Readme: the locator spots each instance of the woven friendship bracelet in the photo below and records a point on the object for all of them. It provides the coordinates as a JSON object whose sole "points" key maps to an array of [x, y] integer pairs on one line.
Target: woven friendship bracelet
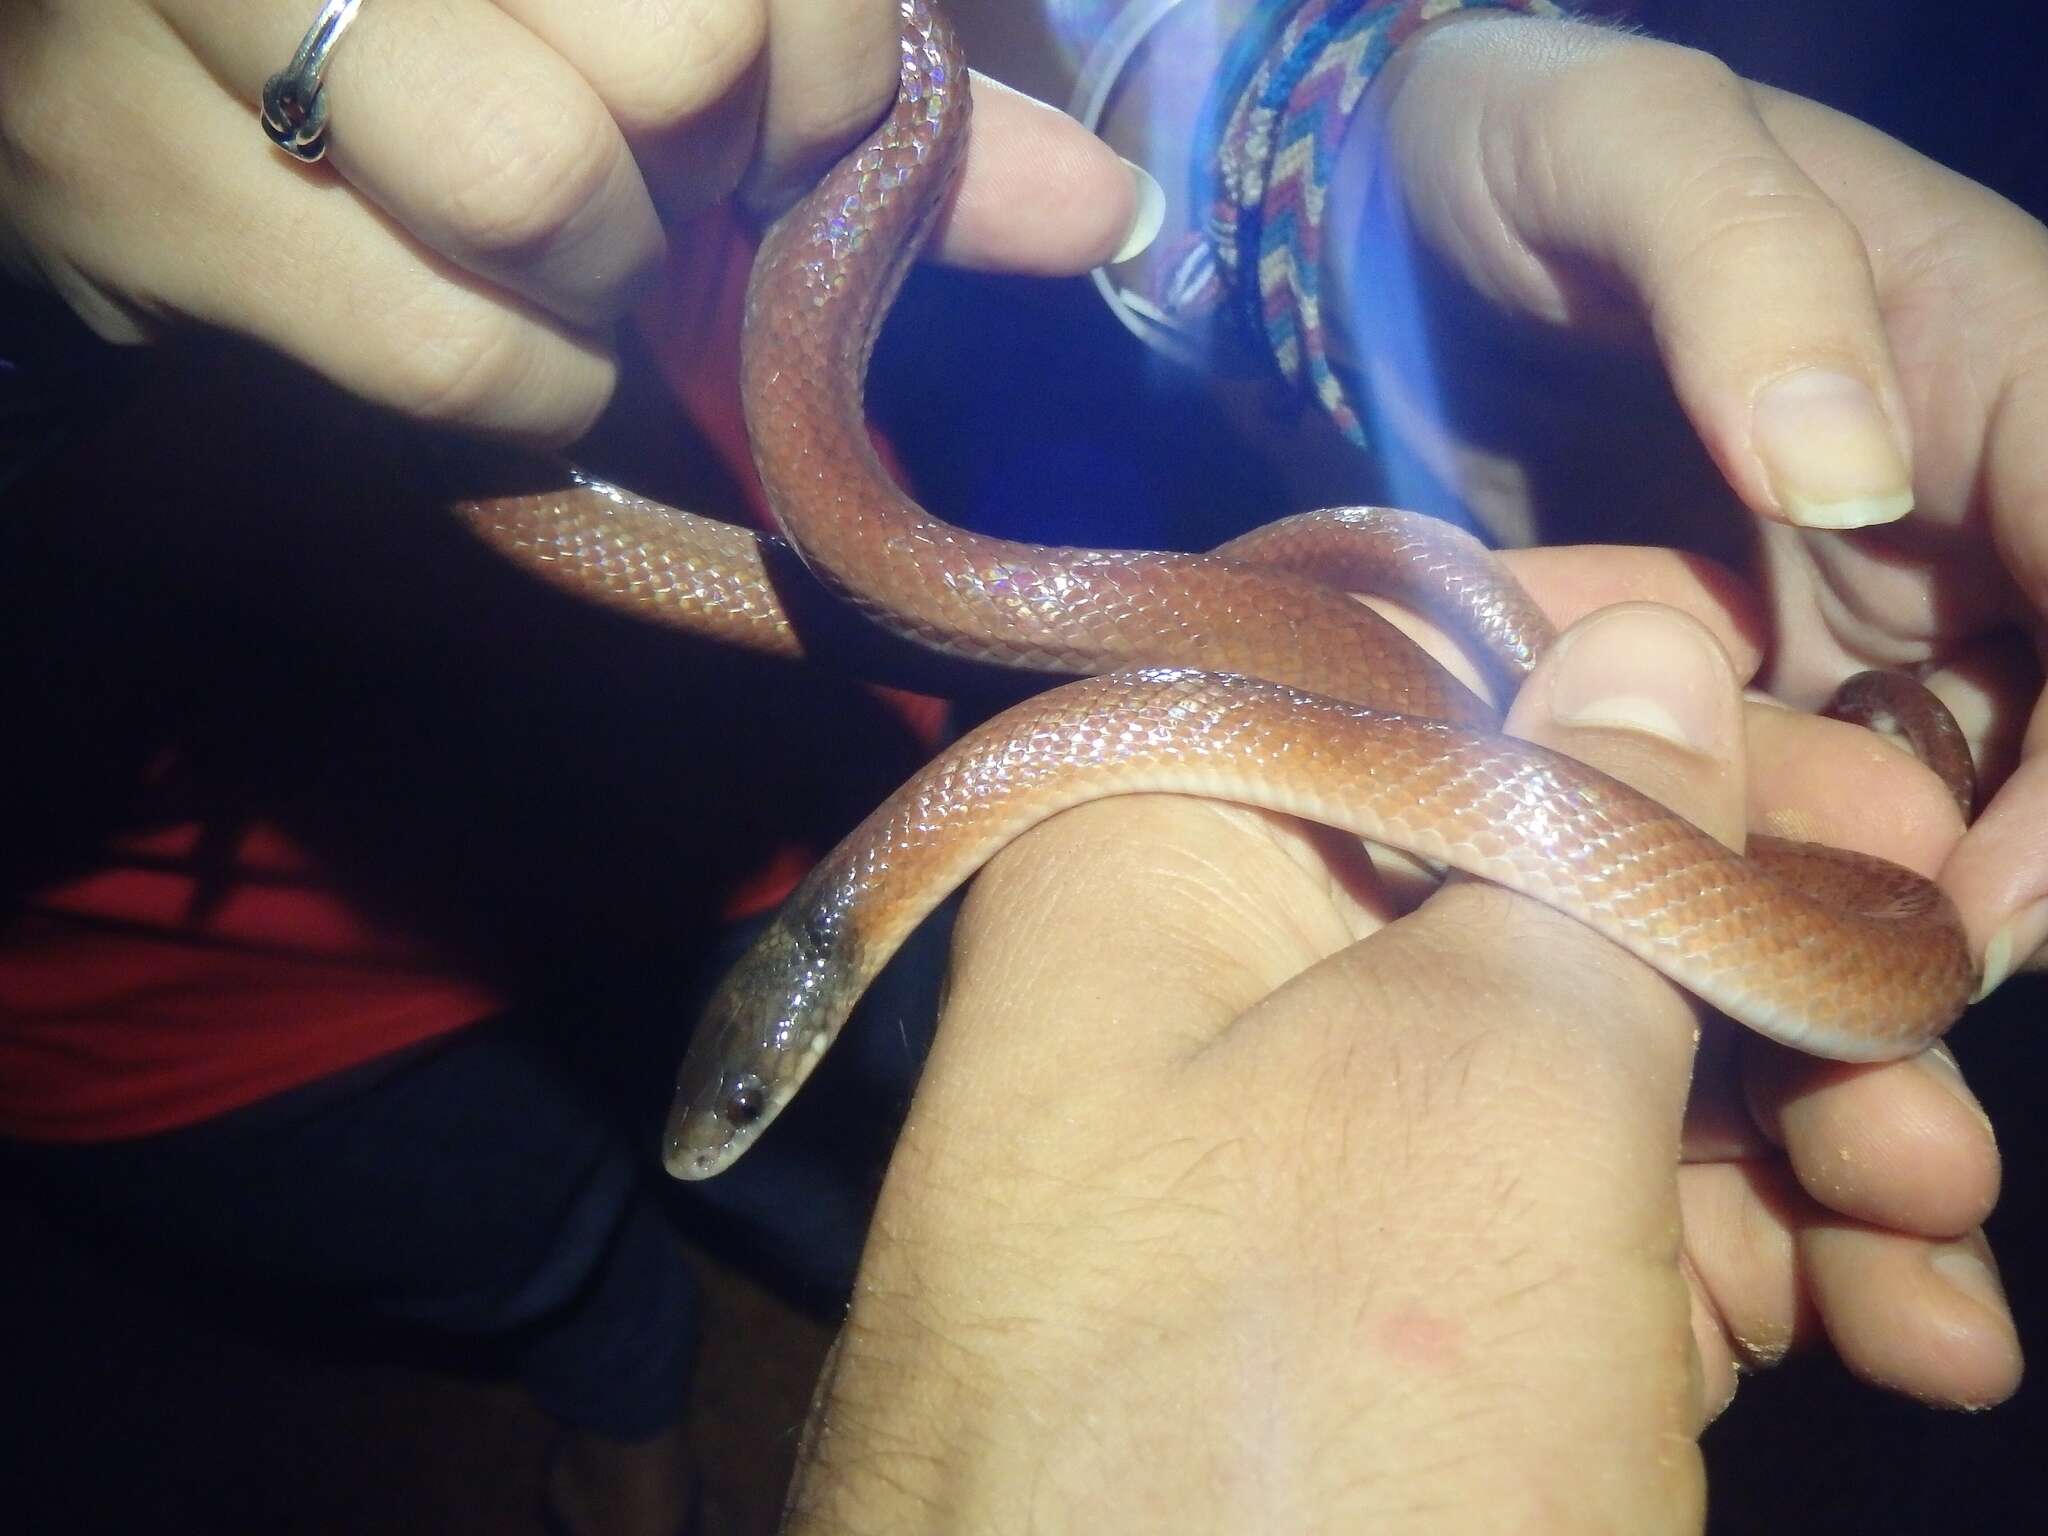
{"points": [[1285, 94]]}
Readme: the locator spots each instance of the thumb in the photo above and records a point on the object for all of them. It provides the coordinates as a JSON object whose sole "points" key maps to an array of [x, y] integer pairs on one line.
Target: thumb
{"points": [[1648, 696], [1645, 694], [1041, 195]]}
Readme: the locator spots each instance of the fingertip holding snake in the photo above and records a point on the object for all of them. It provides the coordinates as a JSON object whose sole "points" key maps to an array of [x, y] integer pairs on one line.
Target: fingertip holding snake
{"points": [[1247, 674]]}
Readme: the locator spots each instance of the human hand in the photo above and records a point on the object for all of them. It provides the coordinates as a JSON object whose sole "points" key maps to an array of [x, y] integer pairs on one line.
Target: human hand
{"points": [[498, 183], [1849, 329], [1209, 1215]]}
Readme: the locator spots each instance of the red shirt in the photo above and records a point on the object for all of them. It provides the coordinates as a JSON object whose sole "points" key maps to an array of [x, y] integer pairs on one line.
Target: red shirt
{"points": [[122, 1013], [173, 981]]}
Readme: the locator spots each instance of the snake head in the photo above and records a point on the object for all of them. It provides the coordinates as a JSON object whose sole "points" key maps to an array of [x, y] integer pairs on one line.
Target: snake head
{"points": [[766, 1028]]}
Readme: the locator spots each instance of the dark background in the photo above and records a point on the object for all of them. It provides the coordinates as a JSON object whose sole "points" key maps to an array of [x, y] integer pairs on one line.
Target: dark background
{"points": [[149, 574]]}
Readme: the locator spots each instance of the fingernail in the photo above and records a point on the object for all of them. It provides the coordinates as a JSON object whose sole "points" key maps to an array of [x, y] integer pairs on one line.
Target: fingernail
{"points": [[2015, 941], [1829, 452], [1644, 669], [1961, 1268], [1941, 1064], [1943, 1060], [1148, 217]]}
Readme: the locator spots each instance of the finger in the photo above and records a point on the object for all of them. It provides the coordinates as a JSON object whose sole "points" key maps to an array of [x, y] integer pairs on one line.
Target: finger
{"points": [[1924, 1318], [475, 136], [1757, 290], [1904, 1145], [1646, 168], [1999, 873], [1928, 1320], [1041, 195], [2016, 470], [1825, 781], [1821, 781], [1740, 1243], [1720, 1360], [1038, 193], [682, 79], [200, 217], [1570, 582], [832, 68]]}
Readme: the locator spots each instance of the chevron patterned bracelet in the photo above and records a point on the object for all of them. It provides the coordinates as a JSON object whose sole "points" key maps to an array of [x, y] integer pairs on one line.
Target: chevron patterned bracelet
{"points": [[1286, 91]]}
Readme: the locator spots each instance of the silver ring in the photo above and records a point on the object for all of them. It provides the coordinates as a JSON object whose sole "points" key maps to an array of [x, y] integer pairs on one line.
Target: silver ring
{"points": [[294, 104]]}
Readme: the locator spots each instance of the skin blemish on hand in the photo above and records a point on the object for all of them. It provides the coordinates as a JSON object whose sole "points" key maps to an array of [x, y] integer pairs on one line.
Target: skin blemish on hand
{"points": [[1415, 1335]]}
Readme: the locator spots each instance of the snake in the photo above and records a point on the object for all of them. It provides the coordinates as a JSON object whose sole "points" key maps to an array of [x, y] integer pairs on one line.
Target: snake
{"points": [[1249, 673]]}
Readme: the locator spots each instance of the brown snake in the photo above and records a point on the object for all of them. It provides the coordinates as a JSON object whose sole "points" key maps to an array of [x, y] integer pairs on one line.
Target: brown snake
{"points": [[1245, 675]]}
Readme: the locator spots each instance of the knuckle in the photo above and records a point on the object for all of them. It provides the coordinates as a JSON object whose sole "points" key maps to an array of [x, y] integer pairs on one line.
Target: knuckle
{"points": [[50, 128], [684, 56], [541, 169], [1735, 196], [1748, 208], [1992, 259], [66, 210], [1695, 74], [829, 121], [460, 368], [838, 104], [1658, 87], [1672, 80]]}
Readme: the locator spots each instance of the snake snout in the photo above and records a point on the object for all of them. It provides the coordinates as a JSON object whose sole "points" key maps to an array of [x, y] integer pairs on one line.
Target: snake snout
{"points": [[712, 1122], [764, 1030]]}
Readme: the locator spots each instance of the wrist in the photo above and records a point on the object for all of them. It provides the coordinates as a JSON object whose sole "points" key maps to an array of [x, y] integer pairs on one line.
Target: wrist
{"points": [[1124, 1372]]}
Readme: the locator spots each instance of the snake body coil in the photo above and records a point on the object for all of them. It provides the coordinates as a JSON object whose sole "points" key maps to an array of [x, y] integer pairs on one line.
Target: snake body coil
{"points": [[1247, 675]]}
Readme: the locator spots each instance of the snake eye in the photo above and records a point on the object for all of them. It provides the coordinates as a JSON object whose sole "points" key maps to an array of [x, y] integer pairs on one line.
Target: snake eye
{"points": [[746, 1099]]}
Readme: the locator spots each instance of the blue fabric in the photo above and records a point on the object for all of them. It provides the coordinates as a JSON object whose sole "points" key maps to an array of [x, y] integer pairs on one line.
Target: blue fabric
{"points": [[466, 1192]]}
